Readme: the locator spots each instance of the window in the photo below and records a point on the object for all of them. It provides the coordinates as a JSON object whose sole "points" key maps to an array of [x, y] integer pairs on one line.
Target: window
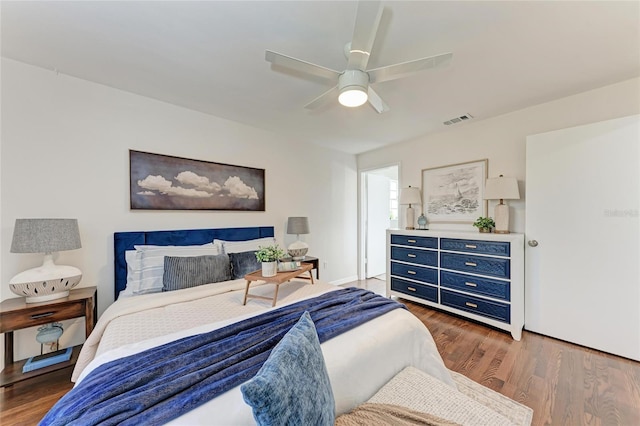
{"points": [[393, 198]]}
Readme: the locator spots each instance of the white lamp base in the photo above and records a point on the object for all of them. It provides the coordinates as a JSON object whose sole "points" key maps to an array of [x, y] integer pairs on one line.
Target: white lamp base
{"points": [[46, 282], [411, 218], [297, 250], [501, 218]]}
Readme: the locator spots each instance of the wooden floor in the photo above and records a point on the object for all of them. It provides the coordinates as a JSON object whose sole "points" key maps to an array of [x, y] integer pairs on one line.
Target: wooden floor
{"points": [[565, 384]]}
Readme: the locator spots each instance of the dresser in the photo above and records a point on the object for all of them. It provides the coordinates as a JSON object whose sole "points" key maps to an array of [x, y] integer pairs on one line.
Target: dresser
{"points": [[475, 275]]}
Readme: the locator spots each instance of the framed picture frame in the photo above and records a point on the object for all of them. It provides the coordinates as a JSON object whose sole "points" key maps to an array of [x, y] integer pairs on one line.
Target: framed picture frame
{"points": [[454, 193], [164, 182]]}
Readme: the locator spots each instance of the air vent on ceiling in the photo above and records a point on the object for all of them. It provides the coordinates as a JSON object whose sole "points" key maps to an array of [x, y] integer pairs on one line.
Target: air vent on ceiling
{"points": [[458, 119]]}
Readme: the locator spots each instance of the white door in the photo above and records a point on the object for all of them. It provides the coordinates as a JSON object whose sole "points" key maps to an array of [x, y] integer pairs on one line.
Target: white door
{"points": [[583, 277], [378, 221]]}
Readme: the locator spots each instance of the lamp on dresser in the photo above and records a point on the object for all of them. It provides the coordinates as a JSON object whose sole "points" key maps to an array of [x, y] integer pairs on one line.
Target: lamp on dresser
{"points": [[501, 188], [410, 195], [49, 281], [298, 225]]}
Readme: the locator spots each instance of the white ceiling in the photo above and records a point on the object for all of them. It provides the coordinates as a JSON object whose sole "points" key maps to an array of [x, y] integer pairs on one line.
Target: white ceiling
{"points": [[209, 56]]}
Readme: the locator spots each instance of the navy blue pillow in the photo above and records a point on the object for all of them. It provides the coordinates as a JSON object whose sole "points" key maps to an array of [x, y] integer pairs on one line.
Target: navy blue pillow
{"points": [[292, 387], [243, 263]]}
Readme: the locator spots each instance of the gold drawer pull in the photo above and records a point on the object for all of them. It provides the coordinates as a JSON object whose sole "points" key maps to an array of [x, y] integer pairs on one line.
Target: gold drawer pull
{"points": [[411, 289], [470, 264], [411, 241], [411, 255], [471, 284], [470, 246], [411, 272], [471, 305]]}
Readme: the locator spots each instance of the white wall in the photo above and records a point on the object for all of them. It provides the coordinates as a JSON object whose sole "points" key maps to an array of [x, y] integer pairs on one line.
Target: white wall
{"points": [[502, 140], [64, 153]]}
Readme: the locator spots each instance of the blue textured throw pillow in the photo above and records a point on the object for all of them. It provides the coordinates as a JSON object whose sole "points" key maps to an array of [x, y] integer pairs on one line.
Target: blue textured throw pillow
{"points": [[187, 272], [292, 387], [243, 263]]}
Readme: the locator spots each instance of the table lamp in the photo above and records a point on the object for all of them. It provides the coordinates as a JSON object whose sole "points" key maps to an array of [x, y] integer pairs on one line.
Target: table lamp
{"points": [[298, 225], [49, 281], [410, 195], [501, 188]]}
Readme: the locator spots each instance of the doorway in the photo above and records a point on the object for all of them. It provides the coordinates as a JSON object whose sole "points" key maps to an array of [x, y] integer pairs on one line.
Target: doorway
{"points": [[379, 212]]}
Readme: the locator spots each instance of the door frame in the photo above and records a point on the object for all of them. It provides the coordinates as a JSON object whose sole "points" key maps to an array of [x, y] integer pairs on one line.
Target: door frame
{"points": [[362, 203]]}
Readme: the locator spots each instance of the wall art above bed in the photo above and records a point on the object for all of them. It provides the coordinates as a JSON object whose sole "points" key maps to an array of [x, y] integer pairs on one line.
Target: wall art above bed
{"points": [[163, 182]]}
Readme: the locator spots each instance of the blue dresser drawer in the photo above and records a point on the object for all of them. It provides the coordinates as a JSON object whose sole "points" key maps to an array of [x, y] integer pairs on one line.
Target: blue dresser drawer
{"points": [[481, 286], [413, 272], [407, 240], [496, 248], [423, 257], [493, 266], [422, 291], [494, 310]]}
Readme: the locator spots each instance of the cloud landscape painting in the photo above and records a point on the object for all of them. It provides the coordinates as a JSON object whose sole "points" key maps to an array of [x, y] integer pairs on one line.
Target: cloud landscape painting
{"points": [[162, 182]]}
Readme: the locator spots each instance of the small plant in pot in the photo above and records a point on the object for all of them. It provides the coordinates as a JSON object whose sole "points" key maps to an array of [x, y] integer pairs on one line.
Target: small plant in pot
{"points": [[269, 257], [484, 224]]}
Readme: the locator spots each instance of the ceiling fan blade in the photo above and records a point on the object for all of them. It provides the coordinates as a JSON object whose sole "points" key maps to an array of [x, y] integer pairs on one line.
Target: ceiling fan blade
{"points": [[288, 62], [327, 96], [364, 34], [403, 69], [376, 101]]}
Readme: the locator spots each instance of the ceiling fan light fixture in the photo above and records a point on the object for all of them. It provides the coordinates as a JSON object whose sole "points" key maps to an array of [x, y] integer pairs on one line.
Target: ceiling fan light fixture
{"points": [[353, 97], [353, 85]]}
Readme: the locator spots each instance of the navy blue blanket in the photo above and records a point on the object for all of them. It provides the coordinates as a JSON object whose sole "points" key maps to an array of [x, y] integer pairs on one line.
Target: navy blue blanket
{"points": [[162, 383]]}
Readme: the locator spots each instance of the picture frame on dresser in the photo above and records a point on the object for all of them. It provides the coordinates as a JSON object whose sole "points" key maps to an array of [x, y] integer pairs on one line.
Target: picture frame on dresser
{"points": [[455, 193]]}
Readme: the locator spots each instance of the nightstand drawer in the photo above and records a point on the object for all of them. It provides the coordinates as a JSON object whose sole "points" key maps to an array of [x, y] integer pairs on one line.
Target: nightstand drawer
{"points": [[413, 272], [489, 309], [472, 284], [493, 266], [496, 248], [423, 257], [406, 240], [422, 291], [41, 315]]}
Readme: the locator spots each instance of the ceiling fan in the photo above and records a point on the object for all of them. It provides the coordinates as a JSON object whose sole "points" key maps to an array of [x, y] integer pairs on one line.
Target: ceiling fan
{"points": [[353, 85]]}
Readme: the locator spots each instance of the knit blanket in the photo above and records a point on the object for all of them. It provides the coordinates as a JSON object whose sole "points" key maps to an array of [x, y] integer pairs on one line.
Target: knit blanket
{"points": [[389, 414], [162, 383]]}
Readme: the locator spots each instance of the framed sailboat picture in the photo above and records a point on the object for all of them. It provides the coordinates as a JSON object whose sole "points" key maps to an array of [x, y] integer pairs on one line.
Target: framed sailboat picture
{"points": [[454, 193]]}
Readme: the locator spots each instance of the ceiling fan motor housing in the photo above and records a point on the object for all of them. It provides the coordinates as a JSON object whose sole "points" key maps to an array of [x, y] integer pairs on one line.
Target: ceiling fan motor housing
{"points": [[353, 80]]}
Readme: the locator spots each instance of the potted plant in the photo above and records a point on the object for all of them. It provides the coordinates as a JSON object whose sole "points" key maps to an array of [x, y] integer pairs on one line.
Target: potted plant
{"points": [[484, 224], [269, 256]]}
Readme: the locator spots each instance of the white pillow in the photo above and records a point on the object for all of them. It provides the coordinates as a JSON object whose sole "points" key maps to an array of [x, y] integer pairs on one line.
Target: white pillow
{"points": [[145, 267], [240, 246]]}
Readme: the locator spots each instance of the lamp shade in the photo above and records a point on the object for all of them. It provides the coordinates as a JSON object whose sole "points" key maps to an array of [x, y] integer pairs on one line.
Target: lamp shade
{"points": [[410, 195], [501, 188], [45, 235], [298, 225]]}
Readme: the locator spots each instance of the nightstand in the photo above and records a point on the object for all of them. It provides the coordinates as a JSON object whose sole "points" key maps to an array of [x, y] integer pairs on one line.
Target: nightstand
{"points": [[16, 314]]}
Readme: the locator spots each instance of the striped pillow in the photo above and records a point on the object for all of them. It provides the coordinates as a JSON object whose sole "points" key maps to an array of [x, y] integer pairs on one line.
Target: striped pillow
{"points": [[187, 272], [149, 264]]}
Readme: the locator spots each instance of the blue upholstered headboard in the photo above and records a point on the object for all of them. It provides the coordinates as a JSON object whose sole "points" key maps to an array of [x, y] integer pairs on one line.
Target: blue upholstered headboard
{"points": [[123, 241]]}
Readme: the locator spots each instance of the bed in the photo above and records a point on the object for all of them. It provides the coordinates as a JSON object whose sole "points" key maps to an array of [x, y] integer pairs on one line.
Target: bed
{"points": [[359, 361]]}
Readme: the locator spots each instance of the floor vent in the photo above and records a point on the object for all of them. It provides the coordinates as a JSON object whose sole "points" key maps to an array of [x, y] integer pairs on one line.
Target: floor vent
{"points": [[458, 119]]}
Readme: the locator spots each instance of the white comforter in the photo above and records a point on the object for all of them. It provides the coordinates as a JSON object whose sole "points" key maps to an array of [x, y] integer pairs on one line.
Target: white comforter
{"points": [[359, 361]]}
